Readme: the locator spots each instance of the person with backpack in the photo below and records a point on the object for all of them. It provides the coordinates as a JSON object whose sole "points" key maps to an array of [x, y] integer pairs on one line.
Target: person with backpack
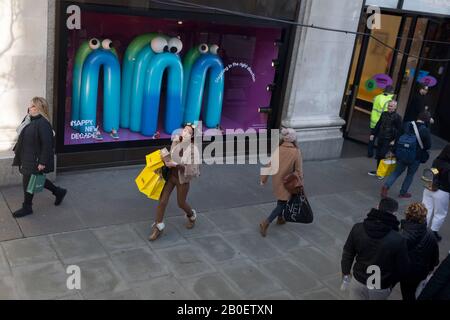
{"points": [[411, 150], [380, 104], [436, 200], [386, 131], [375, 243], [423, 249]]}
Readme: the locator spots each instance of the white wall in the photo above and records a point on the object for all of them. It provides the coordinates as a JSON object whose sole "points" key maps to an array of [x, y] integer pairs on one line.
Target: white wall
{"points": [[431, 6], [23, 57]]}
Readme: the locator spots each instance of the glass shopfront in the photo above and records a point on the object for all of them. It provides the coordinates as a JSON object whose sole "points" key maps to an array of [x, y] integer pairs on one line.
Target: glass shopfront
{"points": [[376, 66], [130, 77]]}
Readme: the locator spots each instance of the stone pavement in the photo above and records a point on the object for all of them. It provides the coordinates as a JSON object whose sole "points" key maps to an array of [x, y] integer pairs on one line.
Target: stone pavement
{"points": [[103, 225]]}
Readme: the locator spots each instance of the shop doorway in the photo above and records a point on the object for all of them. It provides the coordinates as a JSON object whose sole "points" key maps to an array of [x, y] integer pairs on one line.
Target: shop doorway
{"points": [[376, 66]]}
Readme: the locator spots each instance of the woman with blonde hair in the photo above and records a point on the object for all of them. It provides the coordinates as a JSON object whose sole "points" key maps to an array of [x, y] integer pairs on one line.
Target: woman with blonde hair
{"points": [[34, 152], [290, 161]]}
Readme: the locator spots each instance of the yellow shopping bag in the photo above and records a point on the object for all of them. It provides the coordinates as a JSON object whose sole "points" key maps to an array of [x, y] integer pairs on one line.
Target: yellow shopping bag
{"points": [[386, 167], [155, 160], [150, 183]]}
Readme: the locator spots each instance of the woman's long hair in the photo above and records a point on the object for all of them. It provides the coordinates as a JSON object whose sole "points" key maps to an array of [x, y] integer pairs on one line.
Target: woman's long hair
{"points": [[42, 105]]}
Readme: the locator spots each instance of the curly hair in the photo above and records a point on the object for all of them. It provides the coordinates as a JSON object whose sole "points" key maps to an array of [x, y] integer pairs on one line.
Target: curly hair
{"points": [[416, 212]]}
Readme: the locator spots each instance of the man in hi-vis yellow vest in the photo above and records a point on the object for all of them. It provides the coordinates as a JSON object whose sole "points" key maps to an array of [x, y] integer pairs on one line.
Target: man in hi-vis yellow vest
{"points": [[380, 104]]}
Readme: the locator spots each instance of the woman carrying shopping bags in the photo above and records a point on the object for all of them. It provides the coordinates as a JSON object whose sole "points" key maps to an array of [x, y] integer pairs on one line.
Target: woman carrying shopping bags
{"points": [[290, 161], [437, 201], [34, 153], [182, 169]]}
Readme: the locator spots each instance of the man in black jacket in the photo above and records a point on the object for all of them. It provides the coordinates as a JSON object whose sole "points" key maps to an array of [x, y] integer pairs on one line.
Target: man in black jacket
{"points": [[387, 132], [375, 244]]}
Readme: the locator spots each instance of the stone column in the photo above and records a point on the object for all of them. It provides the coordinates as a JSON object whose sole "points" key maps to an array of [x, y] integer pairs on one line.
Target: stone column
{"points": [[23, 70], [319, 69]]}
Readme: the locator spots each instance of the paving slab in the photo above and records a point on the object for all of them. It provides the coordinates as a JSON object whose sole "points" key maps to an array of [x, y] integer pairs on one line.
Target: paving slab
{"points": [[185, 262], [250, 280], [295, 279], [4, 265], [47, 218], [284, 239], [29, 251], [211, 287], [216, 248], [169, 238], [163, 288], [230, 220], [138, 264], [315, 261], [118, 238], [99, 276], [253, 246], [9, 229], [123, 295], [281, 295], [323, 294], [41, 281], [203, 226], [7, 288], [77, 246]]}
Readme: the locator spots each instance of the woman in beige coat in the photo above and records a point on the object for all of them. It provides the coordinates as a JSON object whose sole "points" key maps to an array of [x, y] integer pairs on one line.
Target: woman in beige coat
{"points": [[290, 160], [182, 169]]}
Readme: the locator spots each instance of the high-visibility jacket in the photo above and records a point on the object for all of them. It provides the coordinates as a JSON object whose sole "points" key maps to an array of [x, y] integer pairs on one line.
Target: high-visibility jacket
{"points": [[380, 104]]}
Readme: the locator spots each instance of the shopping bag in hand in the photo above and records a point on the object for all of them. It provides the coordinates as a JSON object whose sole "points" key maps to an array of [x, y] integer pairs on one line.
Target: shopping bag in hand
{"points": [[150, 183], [298, 209], [36, 183], [386, 167], [155, 160]]}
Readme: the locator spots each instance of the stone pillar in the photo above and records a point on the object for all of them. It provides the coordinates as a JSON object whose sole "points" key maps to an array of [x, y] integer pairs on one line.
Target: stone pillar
{"points": [[319, 69], [23, 70]]}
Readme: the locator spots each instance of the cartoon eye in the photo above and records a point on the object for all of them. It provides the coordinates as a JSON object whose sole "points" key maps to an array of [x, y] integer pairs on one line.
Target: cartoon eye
{"points": [[175, 45], [214, 49], [203, 48], [107, 44], [159, 45], [94, 44]]}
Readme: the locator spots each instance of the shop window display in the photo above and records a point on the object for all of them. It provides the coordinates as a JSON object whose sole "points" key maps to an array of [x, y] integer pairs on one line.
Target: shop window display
{"points": [[137, 78]]}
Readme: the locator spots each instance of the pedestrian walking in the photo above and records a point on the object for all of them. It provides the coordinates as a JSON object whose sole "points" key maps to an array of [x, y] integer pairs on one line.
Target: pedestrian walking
{"points": [[423, 249], [180, 174], [411, 150], [290, 161], [438, 287], [436, 201], [386, 132], [380, 104], [34, 153], [419, 103], [375, 244]]}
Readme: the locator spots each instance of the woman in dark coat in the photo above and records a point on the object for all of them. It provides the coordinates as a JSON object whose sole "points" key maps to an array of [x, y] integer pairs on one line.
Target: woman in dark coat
{"points": [[438, 287], [34, 152], [423, 249]]}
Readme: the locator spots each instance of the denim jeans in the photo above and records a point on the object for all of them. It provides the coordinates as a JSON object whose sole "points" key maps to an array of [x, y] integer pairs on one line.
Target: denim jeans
{"points": [[412, 169], [278, 211]]}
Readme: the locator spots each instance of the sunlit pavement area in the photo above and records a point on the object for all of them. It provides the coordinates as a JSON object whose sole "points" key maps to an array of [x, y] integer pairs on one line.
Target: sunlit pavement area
{"points": [[103, 224]]}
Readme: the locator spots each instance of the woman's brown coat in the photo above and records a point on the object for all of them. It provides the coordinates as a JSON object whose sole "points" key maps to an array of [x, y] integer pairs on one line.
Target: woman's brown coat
{"points": [[290, 160]]}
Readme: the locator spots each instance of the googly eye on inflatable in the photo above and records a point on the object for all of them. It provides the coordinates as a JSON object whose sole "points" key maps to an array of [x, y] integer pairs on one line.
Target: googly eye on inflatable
{"points": [[175, 45], [203, 48], [94, 43], [214, 49], [159, 45], [107, 44]]}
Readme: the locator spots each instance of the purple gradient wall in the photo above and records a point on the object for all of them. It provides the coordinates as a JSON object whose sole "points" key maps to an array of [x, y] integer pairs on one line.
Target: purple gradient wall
{"points": [[239, 44]]}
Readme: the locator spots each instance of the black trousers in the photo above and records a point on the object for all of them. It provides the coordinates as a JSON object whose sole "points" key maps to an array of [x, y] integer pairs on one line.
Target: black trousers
{"points": [[28, 197], [408, 288]]}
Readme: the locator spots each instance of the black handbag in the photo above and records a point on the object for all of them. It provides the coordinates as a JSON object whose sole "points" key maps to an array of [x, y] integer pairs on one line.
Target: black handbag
{"points": [[298, 209], [165, 172]]}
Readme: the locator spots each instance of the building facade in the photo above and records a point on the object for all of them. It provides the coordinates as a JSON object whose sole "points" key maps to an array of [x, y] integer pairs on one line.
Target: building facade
{"points": [[269, 71]]}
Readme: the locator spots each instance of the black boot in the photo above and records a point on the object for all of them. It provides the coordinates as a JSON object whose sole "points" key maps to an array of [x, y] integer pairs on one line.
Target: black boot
{"points": [[26, 210], [60, 193]]}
